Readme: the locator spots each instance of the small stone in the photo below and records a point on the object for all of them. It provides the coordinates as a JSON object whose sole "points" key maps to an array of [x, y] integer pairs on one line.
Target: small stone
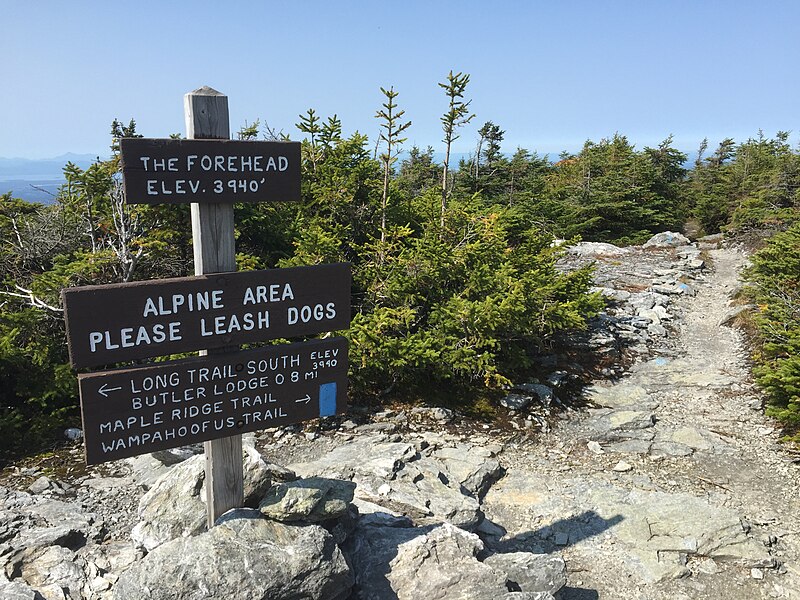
{"points": [[73, 434], [384, 489], [756, 573], [595, 447], [516, 401], [442, 414], [311, 436], [561, 539], [622, 467], [100, 584], [40, 485]]}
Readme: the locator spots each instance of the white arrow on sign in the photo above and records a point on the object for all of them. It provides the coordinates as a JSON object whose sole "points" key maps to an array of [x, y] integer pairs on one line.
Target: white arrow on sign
{"points": [[307, 399], [104, 389]]}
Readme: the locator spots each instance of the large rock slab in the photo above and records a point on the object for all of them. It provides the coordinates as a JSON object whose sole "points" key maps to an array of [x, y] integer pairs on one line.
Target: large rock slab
{"points": [[40, 540], [311, 500], [624, 423], [475, 468], [54, 569], [443, 483], [176, 505], [433, 562], [621, 395], [667, 239], [596, 249], [529, 572], [244, 556], [650, 533], [16, 590]]}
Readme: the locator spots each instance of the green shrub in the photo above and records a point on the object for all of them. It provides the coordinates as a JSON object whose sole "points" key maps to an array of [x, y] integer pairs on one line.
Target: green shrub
{"points": [[775, 285]]}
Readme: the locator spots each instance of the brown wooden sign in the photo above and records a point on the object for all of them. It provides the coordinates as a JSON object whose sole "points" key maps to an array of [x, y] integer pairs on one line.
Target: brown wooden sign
{"points": [[157, 171], [135, 411], [128, 321]]}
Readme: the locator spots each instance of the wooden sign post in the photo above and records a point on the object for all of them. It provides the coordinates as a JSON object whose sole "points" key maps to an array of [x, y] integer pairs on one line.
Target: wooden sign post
{"points": [[206, 115], [215, 397]]}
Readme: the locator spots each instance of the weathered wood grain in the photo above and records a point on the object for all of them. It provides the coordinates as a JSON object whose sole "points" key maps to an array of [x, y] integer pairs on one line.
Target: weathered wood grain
{"points": [[206, 114]]}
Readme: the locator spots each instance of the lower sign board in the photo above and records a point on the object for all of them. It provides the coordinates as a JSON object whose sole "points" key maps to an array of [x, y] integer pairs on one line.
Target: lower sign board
{"points": [[127, 412]]}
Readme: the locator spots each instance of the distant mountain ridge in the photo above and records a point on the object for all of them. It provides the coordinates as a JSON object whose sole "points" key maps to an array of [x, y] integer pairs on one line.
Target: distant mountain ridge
{"points": [[45, 169]]}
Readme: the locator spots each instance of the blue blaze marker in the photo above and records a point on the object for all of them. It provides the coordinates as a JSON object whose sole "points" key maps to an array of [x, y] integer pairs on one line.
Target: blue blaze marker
{"points": [[327, 399]]}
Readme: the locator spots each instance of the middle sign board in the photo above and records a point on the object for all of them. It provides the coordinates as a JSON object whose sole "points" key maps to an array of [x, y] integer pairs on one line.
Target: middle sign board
{"points": [[129, 321]]}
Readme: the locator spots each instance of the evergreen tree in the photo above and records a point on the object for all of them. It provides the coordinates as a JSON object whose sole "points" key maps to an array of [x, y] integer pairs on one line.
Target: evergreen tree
{"points": [[392, 129], [457, 115]]}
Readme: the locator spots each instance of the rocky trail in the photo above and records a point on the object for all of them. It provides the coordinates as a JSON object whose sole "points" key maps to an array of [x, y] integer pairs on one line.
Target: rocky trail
{"points": [[677, 486], [669, 483]]}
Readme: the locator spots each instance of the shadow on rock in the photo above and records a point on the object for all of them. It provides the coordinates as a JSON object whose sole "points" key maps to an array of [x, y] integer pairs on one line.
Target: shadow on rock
{"points": [[573, 593], [562, 533]]}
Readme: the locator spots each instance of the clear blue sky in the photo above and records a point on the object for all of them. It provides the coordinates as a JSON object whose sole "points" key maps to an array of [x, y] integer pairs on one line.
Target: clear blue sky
{"points": [[551, 74]]}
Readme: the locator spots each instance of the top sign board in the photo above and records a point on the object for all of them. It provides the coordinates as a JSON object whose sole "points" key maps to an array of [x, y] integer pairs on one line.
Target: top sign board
{"points": [[127, 321], [159, 171]]}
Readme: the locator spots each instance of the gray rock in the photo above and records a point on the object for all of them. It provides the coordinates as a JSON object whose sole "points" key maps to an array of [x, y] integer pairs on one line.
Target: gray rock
{"points": [[514, 401], [631, 446], [149, 468], [711, 241], [393, 475], [73, 434], [621, 424], [669, 448], [667, 239], [370, 551], [652, 532], [730, 317], [621, 395], [377, 427], [596, 249], [244, 556], [696, 263], [529, 572], [111, 557], [105, 484], [374, 515], [541, 393], [54, 567], [442, 414], [668, 289], [427, 494], [432, 562], [650, 314], [175, 505], [612, 294], [473, 467], [16, 590], [311, 500], [368, 457], [41, 485]]}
